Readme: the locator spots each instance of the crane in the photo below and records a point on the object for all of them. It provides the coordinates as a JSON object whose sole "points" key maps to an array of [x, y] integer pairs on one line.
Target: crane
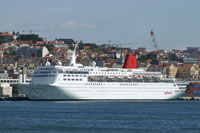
{"points": [[120, 44], [154, 40]]}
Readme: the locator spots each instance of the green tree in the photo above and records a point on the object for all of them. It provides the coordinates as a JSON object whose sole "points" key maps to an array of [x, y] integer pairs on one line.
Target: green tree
{"points": [[143, 58], [29, 37], [2, 39], [154, 62], [92, 46], [5, 53], [151, 56], [13, 53], [174, 57]]}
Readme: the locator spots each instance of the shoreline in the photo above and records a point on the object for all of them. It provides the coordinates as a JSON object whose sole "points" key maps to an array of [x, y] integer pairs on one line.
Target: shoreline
{"points": [[185, 98]]}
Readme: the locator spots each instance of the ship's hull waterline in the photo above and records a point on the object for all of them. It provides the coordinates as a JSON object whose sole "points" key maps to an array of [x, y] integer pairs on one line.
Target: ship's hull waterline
{"points": [[109, 92]]}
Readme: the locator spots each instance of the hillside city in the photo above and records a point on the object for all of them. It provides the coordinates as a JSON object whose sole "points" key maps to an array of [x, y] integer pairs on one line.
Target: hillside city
{"points": [[22, 53], [99, 66]]}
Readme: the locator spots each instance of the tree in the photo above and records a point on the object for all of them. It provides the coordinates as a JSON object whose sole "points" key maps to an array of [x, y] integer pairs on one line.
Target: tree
{"points": [[98, 49], [151, 56], [154, 62], [29, 37], [92, 46], [173, 57], [143, 58], [13, 53], [80, 45], [2, 39]]}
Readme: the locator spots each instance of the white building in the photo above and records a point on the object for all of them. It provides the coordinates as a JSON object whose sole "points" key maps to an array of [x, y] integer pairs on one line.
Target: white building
{"points": [[6, 89], [32, 52]]}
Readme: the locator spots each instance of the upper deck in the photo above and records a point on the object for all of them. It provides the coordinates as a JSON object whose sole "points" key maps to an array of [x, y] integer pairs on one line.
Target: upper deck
{"points": [[93, 71]]}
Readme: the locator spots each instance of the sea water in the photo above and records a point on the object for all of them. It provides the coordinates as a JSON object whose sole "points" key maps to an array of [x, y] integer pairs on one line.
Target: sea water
{"points": [[116, 117]]}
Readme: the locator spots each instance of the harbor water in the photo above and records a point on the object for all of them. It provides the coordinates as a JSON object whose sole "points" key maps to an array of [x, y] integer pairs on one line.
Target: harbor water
{"points": [[116, 117]]}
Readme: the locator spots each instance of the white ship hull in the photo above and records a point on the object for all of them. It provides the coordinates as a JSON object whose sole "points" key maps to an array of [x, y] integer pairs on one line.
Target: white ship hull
{"points": [[108, 91]]}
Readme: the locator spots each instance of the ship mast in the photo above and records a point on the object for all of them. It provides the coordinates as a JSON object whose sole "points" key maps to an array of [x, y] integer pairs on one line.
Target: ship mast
{"points": [[73, 58]]}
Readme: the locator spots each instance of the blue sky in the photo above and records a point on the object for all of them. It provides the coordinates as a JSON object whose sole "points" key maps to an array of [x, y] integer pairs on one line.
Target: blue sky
{"points": [[176, 23]]}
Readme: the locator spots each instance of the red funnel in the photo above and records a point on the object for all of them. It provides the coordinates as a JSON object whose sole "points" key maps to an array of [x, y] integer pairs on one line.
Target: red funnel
{"points": [[130, 62]]}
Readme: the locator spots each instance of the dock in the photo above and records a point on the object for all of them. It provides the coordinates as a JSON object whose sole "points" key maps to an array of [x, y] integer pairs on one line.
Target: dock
{"points": [[189, 98], [14, 99]]}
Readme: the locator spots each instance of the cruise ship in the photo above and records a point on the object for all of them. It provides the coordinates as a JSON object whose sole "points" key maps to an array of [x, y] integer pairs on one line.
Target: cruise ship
{"points": [[78, 82]]}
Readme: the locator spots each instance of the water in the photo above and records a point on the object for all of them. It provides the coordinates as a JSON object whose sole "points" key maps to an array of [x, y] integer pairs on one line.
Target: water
{"points": [[124, 117]]}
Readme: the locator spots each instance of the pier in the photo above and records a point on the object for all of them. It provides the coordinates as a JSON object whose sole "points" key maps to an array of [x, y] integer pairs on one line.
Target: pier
{"points": [[9, 92], [189, 98]]}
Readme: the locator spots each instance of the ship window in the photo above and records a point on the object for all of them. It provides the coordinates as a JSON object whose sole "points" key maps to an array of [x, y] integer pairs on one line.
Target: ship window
{"points": [[72, 79], [64, 75], [64, 79], [68, 75], [68, 79], [60, 71], [76, 79]]}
